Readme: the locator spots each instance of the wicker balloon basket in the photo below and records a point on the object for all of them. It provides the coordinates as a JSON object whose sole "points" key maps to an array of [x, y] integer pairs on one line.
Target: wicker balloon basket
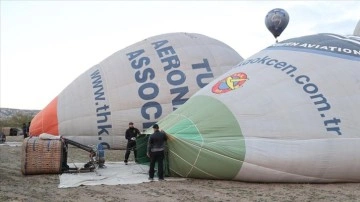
{"points": [[41, 156]]}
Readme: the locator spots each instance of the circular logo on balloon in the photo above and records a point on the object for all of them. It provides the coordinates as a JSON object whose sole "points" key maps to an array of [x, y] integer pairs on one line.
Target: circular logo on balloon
{"points": [[230, 83]]}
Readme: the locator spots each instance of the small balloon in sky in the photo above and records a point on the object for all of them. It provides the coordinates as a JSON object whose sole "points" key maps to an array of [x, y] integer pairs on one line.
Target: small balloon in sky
{"points": [[276, 21]]}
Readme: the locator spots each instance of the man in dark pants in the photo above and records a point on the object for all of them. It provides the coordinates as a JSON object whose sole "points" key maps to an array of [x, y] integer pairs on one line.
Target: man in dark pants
{"points": [[24, 129], [156, 153], [28, 129], [131, 134]]}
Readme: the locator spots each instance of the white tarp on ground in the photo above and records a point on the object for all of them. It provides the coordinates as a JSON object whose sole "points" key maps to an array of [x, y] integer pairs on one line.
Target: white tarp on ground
{"points": [[115, 173], [11, 144]]}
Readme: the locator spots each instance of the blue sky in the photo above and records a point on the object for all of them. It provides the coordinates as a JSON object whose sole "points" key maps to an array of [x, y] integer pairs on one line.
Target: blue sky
{"points": [[45, 45]]}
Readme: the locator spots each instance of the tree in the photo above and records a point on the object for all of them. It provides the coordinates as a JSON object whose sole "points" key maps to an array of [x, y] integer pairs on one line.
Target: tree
{"points": [[16, 120]]}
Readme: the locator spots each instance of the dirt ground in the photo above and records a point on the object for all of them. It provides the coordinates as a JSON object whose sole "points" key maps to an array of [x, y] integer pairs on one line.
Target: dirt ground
{"points": [[16, 187]]}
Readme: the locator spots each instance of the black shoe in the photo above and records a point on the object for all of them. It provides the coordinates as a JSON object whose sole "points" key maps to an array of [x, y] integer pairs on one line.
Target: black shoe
{"points": [[161, 179], [125, 162], [151, 179]]}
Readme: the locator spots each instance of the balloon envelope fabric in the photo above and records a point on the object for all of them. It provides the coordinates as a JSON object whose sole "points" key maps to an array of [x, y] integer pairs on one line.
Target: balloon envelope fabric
{"points": [[289, 113], [141, 83]]}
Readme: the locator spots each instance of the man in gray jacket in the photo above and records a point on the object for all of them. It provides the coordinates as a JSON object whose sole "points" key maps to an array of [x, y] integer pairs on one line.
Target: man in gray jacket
{"points": [[155, 151]]}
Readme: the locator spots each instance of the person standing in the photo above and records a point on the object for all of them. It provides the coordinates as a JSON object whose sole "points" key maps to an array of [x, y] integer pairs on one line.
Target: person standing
{"points": [[24, 129], [28, 129], [156, 152], [131, 134]]}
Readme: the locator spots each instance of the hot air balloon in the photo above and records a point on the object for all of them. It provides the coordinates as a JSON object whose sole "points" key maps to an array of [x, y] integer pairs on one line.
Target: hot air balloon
{"points": [[141, 83], [357, 29], [289, 113], [276, 21]]}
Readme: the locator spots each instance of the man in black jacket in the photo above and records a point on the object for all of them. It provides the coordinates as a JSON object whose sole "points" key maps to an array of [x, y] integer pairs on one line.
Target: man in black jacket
{"points": [[156, 153], [131, 134]]}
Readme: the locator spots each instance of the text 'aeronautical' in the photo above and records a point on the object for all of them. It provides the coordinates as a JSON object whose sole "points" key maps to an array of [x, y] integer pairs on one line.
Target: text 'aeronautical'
{"points": [[145, 75]]}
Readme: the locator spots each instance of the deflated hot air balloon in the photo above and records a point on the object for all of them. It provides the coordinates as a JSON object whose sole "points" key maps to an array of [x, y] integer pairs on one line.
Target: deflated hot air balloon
{"points": [[141, 83], [357, 29], [289, 113], [276, 21]]}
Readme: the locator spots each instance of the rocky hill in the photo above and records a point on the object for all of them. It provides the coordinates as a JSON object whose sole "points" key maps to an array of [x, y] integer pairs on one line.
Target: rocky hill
{"points": [[9, 112]]}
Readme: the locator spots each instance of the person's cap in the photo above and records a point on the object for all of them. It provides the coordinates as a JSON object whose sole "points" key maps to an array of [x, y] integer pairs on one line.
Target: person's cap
{"points": [[156, 126], [131, 123]]}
